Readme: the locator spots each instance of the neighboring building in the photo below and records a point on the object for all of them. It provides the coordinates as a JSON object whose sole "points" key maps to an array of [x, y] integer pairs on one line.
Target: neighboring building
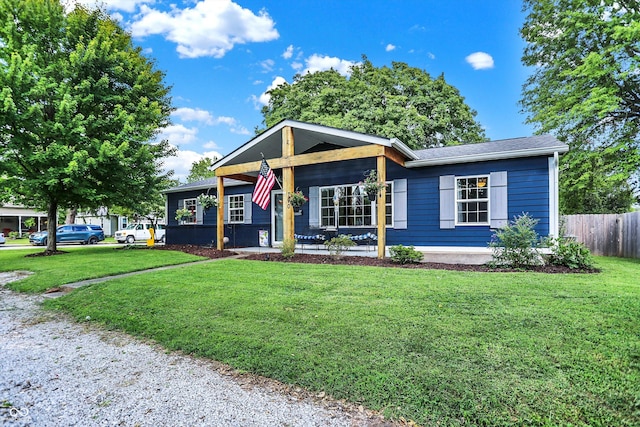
{"points": [[12, 218], [448, 196]]}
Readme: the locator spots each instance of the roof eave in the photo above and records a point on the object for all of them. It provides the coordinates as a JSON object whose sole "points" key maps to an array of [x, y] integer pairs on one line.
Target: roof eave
{"points": [[530, 152]]}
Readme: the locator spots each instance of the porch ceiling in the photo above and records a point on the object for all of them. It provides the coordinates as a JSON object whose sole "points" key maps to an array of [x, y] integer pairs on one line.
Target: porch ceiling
{"points": [[308, 138]]}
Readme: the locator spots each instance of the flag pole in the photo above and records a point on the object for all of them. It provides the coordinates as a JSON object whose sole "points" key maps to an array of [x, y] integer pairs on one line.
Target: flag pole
{"points": [[274, 175]]}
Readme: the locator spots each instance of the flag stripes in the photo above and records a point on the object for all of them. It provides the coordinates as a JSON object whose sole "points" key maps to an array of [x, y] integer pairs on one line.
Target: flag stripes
{"points": [[262, 191]]}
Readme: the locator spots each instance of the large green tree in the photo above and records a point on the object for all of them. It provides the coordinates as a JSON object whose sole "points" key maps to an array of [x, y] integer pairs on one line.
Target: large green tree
{"points": [[201, 169], [79, 105], [585, 88], [398, 101]]}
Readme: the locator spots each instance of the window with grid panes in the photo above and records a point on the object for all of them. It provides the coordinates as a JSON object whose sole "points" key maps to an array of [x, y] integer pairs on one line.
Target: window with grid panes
{"points": [[236, 209], [354, 208], [472, 200], [190, 205]]}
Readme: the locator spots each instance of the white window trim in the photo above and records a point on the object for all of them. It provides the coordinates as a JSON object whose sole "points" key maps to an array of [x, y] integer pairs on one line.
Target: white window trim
{"points": [[456, 201], [374, 217], [241, 208], [195, 214]]}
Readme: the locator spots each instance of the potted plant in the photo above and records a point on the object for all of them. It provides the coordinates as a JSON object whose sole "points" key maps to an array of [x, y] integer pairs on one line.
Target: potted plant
{"points": [[183, 214], [372, 186], [297, 199], [207, 201]]}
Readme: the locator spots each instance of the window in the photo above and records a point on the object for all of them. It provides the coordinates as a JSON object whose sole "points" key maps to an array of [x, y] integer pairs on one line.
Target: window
{"points": [[354, 208], [236, 209], [190, 205], [472, 200]]}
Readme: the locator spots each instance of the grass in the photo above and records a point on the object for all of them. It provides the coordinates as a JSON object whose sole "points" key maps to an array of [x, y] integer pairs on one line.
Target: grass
{"points": [[82, 262], [437, 347]]}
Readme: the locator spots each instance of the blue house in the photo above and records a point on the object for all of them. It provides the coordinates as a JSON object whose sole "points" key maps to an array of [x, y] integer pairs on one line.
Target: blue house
{"points": [[446, 196]]}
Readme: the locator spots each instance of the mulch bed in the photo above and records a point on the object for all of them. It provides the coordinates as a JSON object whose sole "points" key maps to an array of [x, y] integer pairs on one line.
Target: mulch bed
{"points": [[359, 260]]}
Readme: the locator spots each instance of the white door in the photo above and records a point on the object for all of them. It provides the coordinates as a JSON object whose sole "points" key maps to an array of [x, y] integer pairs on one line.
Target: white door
{"points": [[277, 216]]}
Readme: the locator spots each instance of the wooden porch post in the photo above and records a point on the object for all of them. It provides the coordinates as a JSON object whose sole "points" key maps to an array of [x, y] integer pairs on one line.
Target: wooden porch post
{"points": [[381, 208], [220, 219], [287, 183]]}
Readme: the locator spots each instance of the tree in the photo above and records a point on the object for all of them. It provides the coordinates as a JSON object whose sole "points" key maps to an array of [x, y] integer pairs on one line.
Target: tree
{"points": [[586, 90], [402, 102], [78, 107], [201, 169]]}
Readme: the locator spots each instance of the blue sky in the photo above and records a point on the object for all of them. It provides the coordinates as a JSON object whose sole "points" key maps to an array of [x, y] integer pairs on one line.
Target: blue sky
{"points": [[221, 56]]}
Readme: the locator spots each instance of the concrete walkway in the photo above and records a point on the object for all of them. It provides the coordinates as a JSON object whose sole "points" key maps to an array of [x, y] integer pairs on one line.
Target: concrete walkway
{"points": [[66, 288]]}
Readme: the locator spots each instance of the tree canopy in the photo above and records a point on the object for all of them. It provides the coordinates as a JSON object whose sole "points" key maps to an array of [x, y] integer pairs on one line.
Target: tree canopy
{"points": [[586, 90], [201, 169], [398, 101], [79, 106]]}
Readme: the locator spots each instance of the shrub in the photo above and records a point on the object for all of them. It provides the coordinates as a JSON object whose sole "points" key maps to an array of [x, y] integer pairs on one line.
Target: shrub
{"points": [[405, 255], [569, 253], [337, 245], [13, 235], [515, 245], [288, 249]]}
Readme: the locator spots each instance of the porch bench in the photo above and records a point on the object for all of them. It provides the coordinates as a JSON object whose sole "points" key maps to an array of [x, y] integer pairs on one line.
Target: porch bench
{"points": [[310, 239], [364, 239]]}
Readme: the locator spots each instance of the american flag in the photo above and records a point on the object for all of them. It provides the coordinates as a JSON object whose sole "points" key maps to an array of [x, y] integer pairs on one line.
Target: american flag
{"points": [[266, 181]]}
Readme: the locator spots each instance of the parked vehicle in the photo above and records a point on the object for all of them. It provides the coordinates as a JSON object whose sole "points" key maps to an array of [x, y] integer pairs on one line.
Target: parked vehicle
{"points": [[2, 239], [75, 233], [140, 231]]}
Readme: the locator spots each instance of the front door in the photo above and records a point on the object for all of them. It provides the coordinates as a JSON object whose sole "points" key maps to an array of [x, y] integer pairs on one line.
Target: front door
{"points": [[277, 217]]}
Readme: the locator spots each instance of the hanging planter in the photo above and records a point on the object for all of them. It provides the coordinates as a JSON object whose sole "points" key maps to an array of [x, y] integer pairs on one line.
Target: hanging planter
{"points": [[207, 201], [297, 199], [371, 186]]}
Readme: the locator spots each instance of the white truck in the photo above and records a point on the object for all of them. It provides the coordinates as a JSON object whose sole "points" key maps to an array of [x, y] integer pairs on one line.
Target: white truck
{"points": [[140, 231]]}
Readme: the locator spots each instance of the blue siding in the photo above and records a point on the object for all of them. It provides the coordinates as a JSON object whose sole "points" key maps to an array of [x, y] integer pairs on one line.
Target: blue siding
{"points": [[528, 191]]}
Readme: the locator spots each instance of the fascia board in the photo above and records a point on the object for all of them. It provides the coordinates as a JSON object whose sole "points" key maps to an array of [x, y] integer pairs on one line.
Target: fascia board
{"points": [[546, 151]]}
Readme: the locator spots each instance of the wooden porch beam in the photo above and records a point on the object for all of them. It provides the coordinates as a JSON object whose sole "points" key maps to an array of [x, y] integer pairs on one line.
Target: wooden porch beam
{"points": [[220, 218], [243, 177], [380, 207], [288, 178], [350, 153]]}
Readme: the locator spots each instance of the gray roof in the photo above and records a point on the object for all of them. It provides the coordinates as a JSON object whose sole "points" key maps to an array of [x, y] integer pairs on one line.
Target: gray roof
{"points": [[205, 184], [541, 145]]}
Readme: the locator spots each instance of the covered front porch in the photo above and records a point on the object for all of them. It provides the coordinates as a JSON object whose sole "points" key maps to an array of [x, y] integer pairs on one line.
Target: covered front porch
{"points": [[294, 144]]}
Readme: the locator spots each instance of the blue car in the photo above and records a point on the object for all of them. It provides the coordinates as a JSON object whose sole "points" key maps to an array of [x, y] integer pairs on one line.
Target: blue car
{"points": [[83, 234]]}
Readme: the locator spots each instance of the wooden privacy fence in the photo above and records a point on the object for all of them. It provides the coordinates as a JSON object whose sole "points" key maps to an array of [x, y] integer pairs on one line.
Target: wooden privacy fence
{"points": [[606, 234]]}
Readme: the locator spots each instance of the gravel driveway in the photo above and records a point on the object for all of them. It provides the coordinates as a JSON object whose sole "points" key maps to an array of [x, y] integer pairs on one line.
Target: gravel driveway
{"points": [[55, 372]]}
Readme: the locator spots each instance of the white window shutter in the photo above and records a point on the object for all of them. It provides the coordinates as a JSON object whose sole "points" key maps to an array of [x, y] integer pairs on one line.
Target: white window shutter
{"points": [[226, 209], [498, 203], [314, 207], [400, 204], [248, 208], [199, 213], [447, 201]]}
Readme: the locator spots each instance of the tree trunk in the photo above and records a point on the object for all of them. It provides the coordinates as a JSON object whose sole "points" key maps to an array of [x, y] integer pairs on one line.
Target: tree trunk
{"points": [[52, 225], [71, 216]]}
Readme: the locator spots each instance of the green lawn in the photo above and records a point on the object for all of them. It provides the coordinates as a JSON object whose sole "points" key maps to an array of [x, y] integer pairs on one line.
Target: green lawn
{"points": [[82, 262], [436, 347]]}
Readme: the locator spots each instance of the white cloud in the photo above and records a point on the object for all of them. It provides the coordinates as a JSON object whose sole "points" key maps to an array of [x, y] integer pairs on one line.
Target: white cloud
{"points": [[297, 65], [181, 163], [431, 55], [186, 114], [210, 145], [480, 61], [210, 28], [267, 65], [320, 63], [264, 98], [193, 115], [390, 47], [125, 5], [288, 53], [178, 134]]}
